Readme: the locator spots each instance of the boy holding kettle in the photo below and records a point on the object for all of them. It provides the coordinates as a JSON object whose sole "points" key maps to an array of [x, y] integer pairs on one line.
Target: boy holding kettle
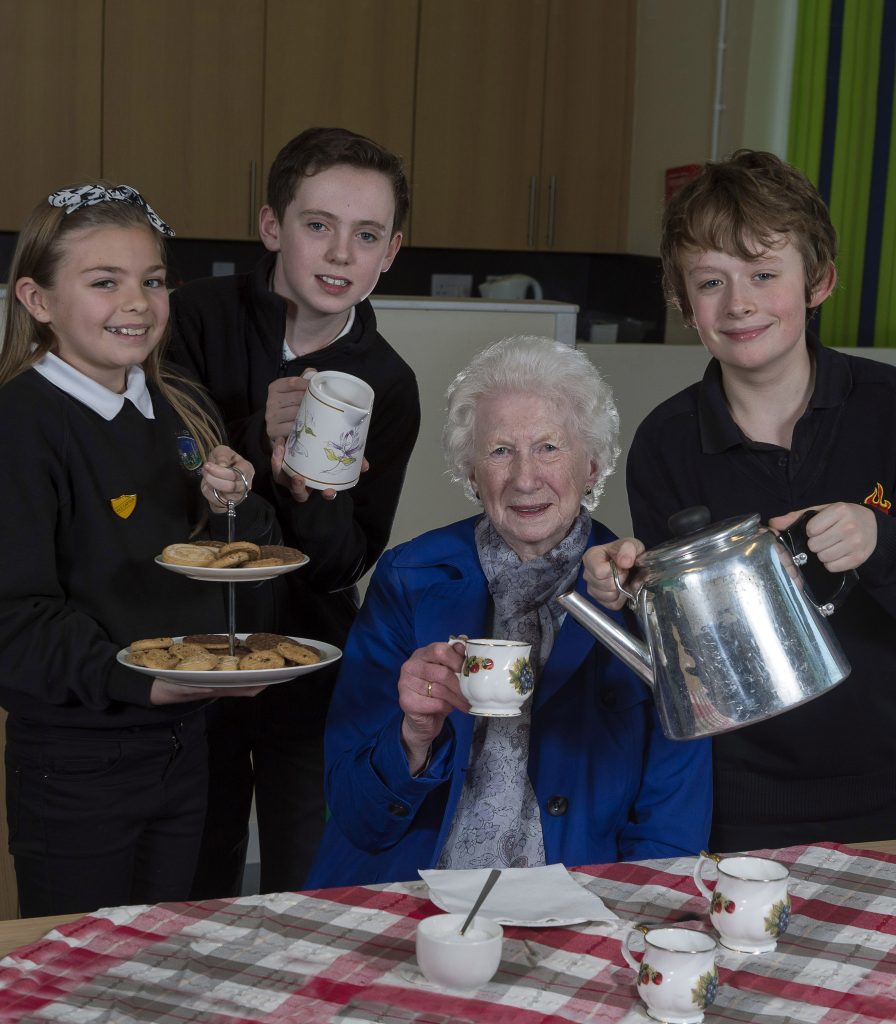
{"points": [[779, 424]]}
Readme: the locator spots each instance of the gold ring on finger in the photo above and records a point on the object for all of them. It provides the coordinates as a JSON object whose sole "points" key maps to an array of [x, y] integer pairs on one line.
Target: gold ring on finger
{"points": [[429, 689]]}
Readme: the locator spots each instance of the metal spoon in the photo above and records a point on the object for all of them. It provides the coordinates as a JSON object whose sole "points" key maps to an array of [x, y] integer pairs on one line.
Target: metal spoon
{"points": [[493, 877]]}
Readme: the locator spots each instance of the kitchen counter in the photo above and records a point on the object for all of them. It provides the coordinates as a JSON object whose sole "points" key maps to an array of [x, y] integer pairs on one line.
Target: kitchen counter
{"points": [[470, 303], [557, 319]]}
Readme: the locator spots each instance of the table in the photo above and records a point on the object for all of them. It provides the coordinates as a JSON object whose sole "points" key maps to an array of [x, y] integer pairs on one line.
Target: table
{"points": [[347, 955]]}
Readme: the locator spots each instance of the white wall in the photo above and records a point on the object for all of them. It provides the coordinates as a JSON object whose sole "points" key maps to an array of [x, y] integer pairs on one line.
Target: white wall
{"points": [[678, 57]]}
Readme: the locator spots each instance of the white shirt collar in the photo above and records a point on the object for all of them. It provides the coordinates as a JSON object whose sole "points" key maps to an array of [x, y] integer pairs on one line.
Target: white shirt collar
{"points": [[289, 355], [104, 402]]}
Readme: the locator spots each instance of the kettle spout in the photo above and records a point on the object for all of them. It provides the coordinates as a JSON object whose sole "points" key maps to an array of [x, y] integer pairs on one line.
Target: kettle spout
{"points": [[626, 647]]}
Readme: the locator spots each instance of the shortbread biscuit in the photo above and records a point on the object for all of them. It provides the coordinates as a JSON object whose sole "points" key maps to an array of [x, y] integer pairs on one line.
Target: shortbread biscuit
{"points": [[261, 660], [228, 663], [198, 663], [230, 560], [188, 554], [264, 641], [159, 642], [299, 654]]}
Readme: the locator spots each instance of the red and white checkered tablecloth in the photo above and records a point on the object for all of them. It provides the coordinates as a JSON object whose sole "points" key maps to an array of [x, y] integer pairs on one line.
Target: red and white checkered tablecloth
{"points": [[347, 955]]}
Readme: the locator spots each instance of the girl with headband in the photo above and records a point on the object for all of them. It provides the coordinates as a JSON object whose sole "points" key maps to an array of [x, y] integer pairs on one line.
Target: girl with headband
{"points": [[107, 457]]}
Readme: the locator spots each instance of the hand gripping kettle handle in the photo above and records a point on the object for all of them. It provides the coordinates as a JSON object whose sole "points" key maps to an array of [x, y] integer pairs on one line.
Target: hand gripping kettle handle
{"points": [[796, 540]]}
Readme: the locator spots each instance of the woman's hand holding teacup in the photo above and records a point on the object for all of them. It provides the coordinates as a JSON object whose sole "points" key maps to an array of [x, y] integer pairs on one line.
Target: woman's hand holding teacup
{"points": [[227, 473], [428, 691], [598, 564]]}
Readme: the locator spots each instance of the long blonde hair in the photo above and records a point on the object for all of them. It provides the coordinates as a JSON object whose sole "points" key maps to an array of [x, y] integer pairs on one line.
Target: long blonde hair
{"points": [[40, 249]]}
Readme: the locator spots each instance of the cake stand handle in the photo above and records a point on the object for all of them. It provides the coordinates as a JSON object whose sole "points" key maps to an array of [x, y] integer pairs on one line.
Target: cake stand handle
{"points": [[231, 593]]}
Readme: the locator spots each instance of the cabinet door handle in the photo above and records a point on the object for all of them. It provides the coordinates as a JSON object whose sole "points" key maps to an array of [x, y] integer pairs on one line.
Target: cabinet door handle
{"points": [[552, 199], [253, 174], [533, 209]]}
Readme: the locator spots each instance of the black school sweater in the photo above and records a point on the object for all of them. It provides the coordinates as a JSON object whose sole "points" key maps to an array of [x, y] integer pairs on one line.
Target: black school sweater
{"points": [[826, 770], [228, 332], [78, 581]]}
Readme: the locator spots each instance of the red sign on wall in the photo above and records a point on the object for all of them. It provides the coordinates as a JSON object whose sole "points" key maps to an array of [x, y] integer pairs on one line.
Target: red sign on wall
{"points": [[678, 176]]}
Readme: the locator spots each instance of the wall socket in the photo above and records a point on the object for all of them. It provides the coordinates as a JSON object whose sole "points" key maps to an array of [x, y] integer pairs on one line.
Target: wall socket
{"points": [[458, 285]]}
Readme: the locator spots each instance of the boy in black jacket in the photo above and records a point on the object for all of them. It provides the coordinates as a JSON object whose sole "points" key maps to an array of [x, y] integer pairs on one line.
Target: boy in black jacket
{"points": [[778, 424], [332, 225]]}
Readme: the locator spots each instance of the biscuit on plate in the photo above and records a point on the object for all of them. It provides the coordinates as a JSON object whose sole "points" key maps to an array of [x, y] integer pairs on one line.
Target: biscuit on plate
{"points": [[252, 550], [213, 544], [261, 660], [288, 555], [262, 563], [188, 554], [156, 658], [198, 663], [149, 645], [228, 663], [181, 651], [264, 641], [299, 654], [229, 561], [210, 641]]}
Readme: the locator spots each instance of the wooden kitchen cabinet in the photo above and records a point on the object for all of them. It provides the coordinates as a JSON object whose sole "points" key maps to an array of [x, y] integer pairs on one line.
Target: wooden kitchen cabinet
{"points": [[199, 96], [523, 124], [182, 110], [477, 146], [348, 65], [586, 136], [51, 83]]}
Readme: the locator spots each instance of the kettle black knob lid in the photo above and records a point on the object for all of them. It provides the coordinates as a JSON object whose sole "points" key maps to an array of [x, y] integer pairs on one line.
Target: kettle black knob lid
{"points": [[688, 520]]}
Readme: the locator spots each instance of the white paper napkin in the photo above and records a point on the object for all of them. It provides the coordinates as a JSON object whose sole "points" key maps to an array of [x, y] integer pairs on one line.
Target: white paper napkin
{"points": [[540, 896]]}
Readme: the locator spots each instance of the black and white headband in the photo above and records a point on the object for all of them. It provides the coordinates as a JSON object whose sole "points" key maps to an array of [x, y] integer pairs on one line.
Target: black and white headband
{"points": [[71, 199]]}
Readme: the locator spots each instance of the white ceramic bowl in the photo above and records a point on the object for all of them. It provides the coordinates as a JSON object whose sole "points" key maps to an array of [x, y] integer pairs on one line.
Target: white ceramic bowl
{"points": [[457, 961]]}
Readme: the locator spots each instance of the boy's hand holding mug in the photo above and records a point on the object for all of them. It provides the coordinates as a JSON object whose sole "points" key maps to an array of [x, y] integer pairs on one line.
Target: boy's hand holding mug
{"points": [[285, 395]]}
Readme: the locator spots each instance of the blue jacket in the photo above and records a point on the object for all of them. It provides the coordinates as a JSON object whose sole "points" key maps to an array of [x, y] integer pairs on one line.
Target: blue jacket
{"points": [[609, 784]]}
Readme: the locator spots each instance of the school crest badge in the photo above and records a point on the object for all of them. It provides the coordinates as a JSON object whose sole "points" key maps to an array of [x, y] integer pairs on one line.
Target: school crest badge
{"points": [[124, 505], [877, 500], [188, 450]]}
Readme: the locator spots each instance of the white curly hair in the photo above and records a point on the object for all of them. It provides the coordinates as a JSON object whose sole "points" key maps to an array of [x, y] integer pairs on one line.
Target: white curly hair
{"points": [[526, 364]]}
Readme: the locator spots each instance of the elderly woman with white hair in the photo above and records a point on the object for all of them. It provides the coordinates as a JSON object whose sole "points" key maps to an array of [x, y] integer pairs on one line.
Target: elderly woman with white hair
{"points": [[584, 774]]}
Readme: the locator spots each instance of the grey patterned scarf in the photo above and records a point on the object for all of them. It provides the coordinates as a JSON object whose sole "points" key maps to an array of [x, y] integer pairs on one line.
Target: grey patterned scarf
{"points": [[497, 823]]}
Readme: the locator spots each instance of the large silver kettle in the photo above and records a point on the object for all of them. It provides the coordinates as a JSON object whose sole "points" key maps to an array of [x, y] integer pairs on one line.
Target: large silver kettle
{"points": [[733, 636]]}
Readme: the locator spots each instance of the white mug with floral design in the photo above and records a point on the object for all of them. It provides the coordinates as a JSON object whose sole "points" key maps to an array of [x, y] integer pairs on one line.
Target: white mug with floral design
{"points": [[750, 905], [677, 974], [496, 676], [326, 445]]}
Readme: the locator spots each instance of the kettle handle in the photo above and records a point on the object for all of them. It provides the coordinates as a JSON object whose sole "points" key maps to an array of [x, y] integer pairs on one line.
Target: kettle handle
{"points": [[632, 598], [795, 540]]}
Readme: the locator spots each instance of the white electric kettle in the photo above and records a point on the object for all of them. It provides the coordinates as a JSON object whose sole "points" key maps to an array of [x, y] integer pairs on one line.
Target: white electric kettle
{"points": [[511, 286]]}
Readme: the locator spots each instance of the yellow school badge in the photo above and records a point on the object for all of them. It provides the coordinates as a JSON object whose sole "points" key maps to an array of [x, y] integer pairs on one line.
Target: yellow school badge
{"points": [[124, 505]]}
